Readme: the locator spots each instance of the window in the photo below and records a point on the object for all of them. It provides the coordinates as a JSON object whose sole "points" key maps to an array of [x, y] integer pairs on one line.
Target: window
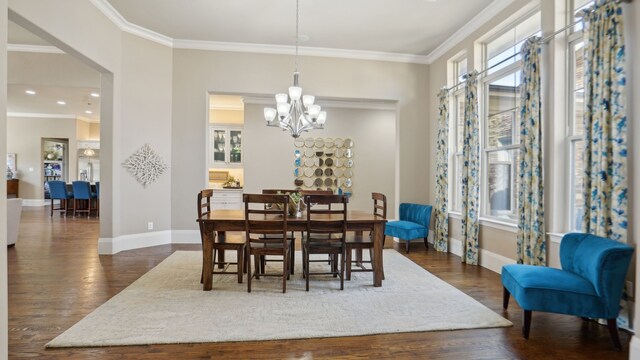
{"points": [[500, 123], [504, 49], [575, 122], [456, 126]]}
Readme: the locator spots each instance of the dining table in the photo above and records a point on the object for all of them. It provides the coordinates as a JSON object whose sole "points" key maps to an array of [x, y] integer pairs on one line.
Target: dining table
{"points": [[221, 221]]}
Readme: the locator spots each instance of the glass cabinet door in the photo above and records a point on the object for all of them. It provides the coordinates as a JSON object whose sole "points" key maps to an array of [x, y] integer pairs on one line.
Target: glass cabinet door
{"points": [[235, 146], [219, 146]]}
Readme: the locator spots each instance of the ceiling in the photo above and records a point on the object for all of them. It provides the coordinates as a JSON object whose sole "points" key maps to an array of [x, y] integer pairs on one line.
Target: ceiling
{"points": [[403, 27], [400, 26], [54, 77]]}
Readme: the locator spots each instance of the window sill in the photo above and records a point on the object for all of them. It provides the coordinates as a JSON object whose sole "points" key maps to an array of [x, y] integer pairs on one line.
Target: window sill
{"points": [[493, 223], [555, 237]]}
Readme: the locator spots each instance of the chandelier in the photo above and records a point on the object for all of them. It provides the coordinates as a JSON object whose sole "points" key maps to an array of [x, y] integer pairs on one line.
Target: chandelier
{"points": [[295, 112]]}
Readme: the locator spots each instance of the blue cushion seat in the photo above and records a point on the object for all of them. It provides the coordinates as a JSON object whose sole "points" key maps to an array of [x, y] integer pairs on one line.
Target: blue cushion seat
{"points": [[405, 230], [413, 224], [539, 288], [589, 284]]}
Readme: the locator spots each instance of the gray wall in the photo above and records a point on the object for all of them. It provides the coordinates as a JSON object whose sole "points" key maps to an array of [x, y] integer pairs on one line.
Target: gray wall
{"points": [[198, 72], [25, 137], [269, 152]]}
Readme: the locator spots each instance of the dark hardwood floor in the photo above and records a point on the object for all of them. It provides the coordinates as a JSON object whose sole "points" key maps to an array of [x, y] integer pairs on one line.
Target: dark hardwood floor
{"points": [[56, 278]]}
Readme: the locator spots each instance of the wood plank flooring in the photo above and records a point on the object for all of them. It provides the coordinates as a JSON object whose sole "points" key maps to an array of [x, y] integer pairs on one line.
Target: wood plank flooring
{"points": [[56, 278]]}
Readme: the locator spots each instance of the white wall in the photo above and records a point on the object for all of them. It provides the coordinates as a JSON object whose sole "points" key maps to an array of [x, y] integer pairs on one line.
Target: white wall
{"points": [[25, 140], [135, 104], [269, 159], [198, 72]]}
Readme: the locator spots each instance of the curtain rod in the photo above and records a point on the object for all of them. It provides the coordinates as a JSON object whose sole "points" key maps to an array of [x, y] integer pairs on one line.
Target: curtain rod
{"points": [[543, 40]]}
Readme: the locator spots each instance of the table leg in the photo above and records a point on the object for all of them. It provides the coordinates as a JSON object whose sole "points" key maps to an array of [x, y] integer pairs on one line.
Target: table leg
{"points": [[207, 266], [378, 238]]}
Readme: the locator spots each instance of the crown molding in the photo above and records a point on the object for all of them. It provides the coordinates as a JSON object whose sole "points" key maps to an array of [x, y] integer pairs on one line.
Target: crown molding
{"points": [[472, 25], [112, 14], [304, 51], [40, 115], [34, 48]]}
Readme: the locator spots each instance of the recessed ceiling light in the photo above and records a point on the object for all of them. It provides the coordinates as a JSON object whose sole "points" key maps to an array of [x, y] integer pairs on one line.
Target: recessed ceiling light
{"points": [[88, 112], [95, 94], [60, 102], [30, 92]]}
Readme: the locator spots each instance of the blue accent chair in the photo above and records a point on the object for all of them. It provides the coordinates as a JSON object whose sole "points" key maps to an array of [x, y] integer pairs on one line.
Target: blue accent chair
{"points": [[413, 224], [58, 191], [82, 193], [589, 284]]}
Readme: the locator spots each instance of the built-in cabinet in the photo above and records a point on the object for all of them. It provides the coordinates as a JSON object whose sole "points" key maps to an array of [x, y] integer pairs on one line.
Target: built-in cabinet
{"points": [[225, 146], [227, 199]]}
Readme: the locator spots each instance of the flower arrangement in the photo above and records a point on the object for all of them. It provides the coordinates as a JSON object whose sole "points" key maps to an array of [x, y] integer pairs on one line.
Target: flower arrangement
{"points": [[296, 205]]}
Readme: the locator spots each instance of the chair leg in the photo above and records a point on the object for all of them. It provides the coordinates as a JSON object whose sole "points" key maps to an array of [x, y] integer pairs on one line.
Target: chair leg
{"points": [[51, 208], [505, 298], [306, 270], [285, 272], [407, 246], [349, 255], [613, 331], [240, 260], [292, 255], [341, 269], [527, 324], [426, 243], [256, 262], [249, 271]]}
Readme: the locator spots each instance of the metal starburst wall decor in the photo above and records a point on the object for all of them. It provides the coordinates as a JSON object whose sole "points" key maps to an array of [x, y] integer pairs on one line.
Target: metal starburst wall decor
{"points": [[145, 165]]}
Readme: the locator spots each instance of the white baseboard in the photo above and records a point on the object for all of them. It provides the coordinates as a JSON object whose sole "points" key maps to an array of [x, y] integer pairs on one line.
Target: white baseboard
{"points": [[35, 202], [634, 348], [185, 237], [488, 259], [110, 246], [429, 238]]}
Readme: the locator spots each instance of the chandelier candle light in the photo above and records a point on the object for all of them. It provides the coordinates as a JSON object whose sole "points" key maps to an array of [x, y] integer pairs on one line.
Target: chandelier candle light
{"points": [[296, 116]]}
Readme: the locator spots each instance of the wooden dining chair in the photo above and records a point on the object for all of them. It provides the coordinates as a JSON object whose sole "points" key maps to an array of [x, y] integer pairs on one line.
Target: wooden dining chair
{"points": [[222, 241], [266, 234], [325, 234], [358, 242], [292, 251]]}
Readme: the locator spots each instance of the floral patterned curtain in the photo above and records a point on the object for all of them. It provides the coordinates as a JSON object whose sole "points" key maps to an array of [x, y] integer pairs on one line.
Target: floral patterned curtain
{"points": [[442, 164], [531, 247], [605, 124], [470, 172]]}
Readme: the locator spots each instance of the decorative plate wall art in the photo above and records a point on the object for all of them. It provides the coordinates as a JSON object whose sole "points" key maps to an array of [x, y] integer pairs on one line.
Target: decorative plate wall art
{"points": [[323, 162], [145, 165]]}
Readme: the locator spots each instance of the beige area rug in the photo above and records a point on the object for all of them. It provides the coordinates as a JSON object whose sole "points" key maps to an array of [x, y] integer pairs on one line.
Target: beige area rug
{"points": [[167, 305]]}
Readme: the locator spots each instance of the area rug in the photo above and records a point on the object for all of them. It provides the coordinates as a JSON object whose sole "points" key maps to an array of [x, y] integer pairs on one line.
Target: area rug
{"points": [[167, 306]]}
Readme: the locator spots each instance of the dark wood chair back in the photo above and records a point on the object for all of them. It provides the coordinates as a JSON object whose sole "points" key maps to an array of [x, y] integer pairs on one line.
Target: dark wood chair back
{"points": [[204, 209], [379, 204], [327, 220], [270, 223]]}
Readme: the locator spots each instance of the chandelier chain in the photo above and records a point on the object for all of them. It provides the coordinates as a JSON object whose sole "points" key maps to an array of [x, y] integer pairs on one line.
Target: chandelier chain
{"points": [[297, 36]]}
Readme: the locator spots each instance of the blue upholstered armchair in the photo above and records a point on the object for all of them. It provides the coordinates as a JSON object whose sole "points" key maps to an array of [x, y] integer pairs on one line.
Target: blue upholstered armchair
{"points": [[589, 285], [413, 223]]}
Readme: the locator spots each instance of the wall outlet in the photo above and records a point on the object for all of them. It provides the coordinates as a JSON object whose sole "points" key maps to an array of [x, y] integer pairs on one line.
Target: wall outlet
{"points": [[628, 286], [150, 225]]}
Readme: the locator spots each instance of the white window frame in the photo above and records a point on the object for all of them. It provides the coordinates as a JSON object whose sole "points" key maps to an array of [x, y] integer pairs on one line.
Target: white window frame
{"points": [[572, 139], [485, 149], [483, 93], [454, 191]]}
